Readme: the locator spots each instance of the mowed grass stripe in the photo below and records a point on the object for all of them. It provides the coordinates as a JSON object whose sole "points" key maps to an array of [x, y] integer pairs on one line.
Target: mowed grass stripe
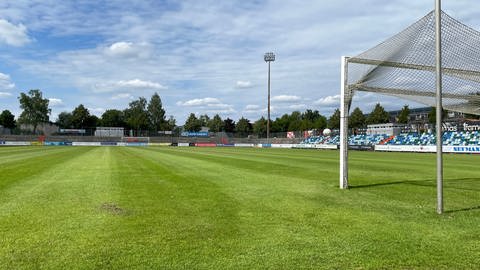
{"points": [[176, 218], [11, 154], [254, 237], [342, 201], [388, 170], [54, 218], [230, 208], [22, 166]]}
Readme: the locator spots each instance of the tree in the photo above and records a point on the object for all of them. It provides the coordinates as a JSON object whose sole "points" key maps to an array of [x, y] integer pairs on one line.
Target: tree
{"points": [[260, 127], [404, 114], [295, 121], [229, 125], [357, 119], [320, 122], [113, 118], [216, 124], [334, 120], [308, 118], [243, 127], [378, 115], [310, 115], [171, 123], [92, 121], [192, 123], [280, 124], [432, 115], [64, 120], [35, 109], [80, 117], [312, 120], [156, 114], [204, 120], [136, 116], [7, 119]]}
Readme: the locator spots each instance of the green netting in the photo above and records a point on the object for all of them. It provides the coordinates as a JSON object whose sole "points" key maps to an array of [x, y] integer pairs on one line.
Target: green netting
{"points": [[404, 65]]}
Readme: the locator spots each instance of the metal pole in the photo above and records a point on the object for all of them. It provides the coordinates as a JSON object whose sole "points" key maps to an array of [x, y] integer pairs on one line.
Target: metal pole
{"points": [[268, 118], [438, 69], [344, 108]]}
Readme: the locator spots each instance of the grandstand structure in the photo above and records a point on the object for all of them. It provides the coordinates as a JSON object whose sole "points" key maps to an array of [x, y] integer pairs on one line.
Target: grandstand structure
{"points": [[449, 138], [435, 61]]}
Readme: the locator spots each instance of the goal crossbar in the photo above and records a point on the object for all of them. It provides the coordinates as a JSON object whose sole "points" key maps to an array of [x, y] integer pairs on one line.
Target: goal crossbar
{"points": [[445, 70], [404, 92]]}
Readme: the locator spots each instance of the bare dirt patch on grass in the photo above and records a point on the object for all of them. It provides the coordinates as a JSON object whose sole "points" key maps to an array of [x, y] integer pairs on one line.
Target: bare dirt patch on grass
{"points": [[113, 209]]}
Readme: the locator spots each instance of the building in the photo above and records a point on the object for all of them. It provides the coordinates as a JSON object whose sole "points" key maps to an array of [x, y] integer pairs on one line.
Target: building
{"points": [[109, 132], [388, 128]]}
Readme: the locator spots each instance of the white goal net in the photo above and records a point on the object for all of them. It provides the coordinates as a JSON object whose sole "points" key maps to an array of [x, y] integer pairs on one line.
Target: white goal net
{"points": [[404, 66]]}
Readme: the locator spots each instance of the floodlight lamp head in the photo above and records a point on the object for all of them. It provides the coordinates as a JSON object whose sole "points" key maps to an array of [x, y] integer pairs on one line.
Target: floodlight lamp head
{"points": [[269, 57]]}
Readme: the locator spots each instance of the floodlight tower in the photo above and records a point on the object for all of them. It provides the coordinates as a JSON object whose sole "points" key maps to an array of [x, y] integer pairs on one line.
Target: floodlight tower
{"points": [[268, 57]]}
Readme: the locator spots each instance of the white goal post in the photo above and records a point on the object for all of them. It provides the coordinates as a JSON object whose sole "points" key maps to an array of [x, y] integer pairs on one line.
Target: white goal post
{"points": [[435, 61]]}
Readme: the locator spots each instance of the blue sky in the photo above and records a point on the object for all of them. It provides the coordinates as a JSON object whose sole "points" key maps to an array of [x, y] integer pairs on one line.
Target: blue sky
{"points": [[200, 56]]}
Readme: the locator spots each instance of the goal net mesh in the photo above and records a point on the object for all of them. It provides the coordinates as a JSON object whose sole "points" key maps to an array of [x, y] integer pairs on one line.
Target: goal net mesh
{"points": [[404, 66]]}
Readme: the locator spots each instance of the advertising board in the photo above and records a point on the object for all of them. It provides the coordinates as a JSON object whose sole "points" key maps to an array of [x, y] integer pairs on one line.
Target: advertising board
{"points": [[326, 146], [159, 144], [244, 145], [361, 147], [108, 143], [406, 148], [136, 144], [194, 134], [282, 145], [206, 144], [48, 143], [18, 143], [86, 144], [462, 149], [474, 149], [315, 146]]}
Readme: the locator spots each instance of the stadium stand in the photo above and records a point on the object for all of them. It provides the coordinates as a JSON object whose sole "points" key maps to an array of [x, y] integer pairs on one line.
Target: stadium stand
{"points": [[367, 139], [454, 138]]}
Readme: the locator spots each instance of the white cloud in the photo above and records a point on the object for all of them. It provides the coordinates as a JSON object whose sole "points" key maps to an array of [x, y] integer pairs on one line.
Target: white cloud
{"points": [[135, 84], [122, 96], [228, 110], [128, 49], [139, 84], [96, 111], [297, 106], [5, 94], [252, 107], [243, 84], [208, 105], [55, 102], [286, 98], [5, 82], [329, 101], [13, 35], [120, 48], [200, 102]]}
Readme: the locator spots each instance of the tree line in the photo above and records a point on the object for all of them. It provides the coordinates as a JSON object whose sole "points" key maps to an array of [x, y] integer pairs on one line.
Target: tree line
{"points": [[143, 115]]}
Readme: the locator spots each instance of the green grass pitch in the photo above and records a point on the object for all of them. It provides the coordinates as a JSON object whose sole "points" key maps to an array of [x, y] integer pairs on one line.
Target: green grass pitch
{"points": [[231, 208]]}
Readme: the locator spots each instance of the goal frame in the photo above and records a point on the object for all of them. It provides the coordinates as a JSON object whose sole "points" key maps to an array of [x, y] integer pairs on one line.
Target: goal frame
{"points": [[346, 96]]}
